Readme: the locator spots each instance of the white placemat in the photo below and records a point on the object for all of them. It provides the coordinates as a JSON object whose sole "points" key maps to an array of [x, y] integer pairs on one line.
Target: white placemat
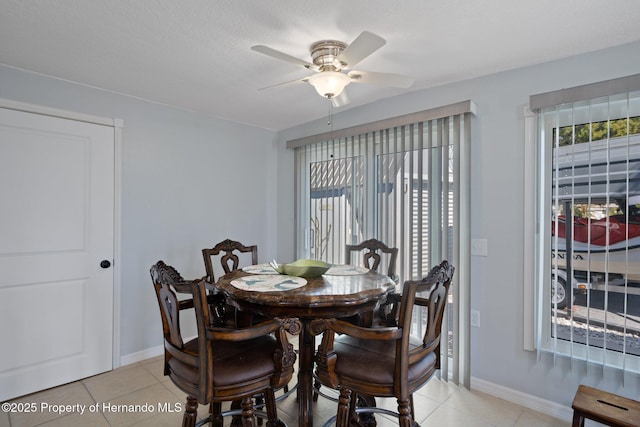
{"points": [[259, 269], [268, 283], [346, 270]]}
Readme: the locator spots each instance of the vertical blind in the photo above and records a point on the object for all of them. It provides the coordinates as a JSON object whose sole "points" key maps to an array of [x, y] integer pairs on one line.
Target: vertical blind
{"points": [[589, 210], [404, 181]]}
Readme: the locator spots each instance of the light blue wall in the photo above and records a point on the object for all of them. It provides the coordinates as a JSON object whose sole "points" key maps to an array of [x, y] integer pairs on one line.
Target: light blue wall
{"points": [[497, 206], [188, 182]]}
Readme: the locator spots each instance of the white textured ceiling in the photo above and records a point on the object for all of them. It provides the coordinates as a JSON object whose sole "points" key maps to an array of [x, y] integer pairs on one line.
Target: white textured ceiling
{"points": [[195, 54]]}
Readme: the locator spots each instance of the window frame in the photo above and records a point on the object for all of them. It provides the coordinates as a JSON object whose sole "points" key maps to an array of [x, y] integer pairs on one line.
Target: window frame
{"points": [[538, 181]]}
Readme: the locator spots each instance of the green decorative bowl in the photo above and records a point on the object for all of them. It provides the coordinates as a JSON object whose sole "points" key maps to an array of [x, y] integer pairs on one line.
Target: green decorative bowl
{"points": [[308, 268]]}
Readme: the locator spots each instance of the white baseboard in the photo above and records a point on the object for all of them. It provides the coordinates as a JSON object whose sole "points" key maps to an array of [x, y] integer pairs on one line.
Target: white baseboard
{"points": [[139, 356], [523, 399]]}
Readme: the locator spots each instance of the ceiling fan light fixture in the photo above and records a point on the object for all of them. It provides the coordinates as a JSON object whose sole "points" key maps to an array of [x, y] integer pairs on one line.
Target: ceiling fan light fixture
{"points": [[329, 84]]}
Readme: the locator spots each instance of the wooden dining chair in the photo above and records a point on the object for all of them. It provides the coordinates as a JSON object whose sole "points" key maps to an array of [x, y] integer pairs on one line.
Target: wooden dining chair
{"points": [[372, 252], [228, 253], [221, 364], [385, 361]]}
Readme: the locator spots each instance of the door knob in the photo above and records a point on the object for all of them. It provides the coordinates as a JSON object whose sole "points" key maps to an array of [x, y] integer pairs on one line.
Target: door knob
{"points": [[105, 263]]}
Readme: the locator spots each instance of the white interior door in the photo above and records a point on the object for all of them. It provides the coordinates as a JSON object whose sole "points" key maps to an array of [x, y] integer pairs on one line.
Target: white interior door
{"points": [[56, 226]]}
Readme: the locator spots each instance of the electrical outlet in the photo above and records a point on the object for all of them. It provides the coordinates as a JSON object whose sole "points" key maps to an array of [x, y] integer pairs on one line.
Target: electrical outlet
{"points": [[475, 318]]}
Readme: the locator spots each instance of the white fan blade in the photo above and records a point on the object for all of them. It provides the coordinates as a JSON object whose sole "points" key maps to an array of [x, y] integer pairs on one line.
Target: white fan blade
{"points": [[364, 45], [384, 79], [265, 50], [290, 82], [340, 100]]}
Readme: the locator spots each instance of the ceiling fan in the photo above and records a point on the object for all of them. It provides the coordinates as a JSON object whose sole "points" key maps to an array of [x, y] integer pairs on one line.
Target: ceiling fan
{"points": [[333, 61]]}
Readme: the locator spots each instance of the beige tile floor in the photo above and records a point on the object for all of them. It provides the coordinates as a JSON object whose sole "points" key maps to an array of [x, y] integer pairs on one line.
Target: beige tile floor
{"points": [[437, 404]]}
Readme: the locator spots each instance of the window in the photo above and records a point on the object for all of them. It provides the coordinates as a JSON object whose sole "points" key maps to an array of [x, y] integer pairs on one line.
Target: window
{"points": [[588, 211], [403, 181]]}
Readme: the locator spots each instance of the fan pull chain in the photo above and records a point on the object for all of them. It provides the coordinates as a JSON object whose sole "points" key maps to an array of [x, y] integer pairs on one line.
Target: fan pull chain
{"points": [[330, 119]]}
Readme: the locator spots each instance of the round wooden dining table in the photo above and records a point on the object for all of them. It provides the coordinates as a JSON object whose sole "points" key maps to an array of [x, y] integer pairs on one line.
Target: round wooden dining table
{"points": [[343, 294]]}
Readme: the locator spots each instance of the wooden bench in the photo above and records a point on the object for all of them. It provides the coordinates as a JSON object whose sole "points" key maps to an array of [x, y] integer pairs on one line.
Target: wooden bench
{"points": [[605, 408]]}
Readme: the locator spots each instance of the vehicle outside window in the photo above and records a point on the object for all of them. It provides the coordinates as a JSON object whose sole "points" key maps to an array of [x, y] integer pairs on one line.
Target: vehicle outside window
{"points": [[596, 181], [595, 234]]}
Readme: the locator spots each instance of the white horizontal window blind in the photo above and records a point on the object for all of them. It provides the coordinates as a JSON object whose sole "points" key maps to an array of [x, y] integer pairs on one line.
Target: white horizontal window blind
{"points": [[404, 181], [588, 247]]}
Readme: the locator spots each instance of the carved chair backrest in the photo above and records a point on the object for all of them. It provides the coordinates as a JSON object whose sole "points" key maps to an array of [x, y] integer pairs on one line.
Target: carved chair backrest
{"points": [[437, 283], [164, 277], [229, 260], [167, 281], [371, 255]]}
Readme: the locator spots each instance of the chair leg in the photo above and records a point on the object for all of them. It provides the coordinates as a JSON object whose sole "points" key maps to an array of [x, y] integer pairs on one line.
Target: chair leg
{"points": [[404, 409], [413, 410], [215, 411], [342, 417], [260, 400], [272, 410], [366, 419], [578, 420], [353, 404], [316, 389], [248, 412], [190, 412], [236, 420]]}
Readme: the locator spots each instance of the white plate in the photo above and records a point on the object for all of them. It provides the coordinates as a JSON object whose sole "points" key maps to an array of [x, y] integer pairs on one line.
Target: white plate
{"points": [[268, 283]]}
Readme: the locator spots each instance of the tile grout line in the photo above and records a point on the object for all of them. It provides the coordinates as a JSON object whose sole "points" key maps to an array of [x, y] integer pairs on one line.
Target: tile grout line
{"points": [[95, 400]]}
